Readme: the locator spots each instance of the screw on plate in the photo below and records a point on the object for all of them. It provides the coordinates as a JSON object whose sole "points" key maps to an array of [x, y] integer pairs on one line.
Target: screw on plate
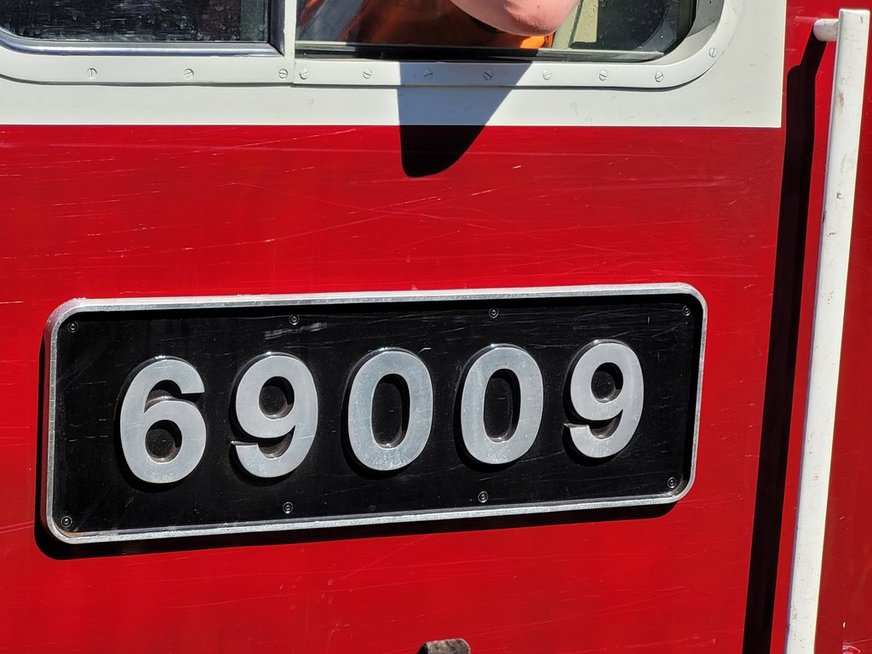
{"points": [[483, 497], [488, 75], [283, 73], [546, 75], [294, 319], [92, 73], [658, 76], [672, 483], [686, 311], [713, 52], [66, 522], [494, 313], [367, 73], [428, 74], [304, 73], [287, 508], [452, 646], [189, 73], [73, 327], [603, 75]]}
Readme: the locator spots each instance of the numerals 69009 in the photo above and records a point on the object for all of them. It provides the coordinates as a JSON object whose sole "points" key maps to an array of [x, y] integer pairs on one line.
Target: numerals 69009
{"points": [[161, 394]]}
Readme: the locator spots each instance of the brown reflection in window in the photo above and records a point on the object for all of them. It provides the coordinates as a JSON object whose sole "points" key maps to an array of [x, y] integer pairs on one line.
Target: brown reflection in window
{"points": [[647, 28], [404, 22]]}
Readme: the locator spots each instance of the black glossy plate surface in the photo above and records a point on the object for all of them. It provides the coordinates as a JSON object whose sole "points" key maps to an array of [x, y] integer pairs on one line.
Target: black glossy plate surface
{"points": [[94, 349]]}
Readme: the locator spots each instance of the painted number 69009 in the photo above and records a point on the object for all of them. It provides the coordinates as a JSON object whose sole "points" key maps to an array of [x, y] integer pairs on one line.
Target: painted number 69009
{"points": [[608, 421]]}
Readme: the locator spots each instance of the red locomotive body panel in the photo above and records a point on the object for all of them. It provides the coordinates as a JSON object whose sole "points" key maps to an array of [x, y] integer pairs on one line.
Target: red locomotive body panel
{"points": [[156, 211]]}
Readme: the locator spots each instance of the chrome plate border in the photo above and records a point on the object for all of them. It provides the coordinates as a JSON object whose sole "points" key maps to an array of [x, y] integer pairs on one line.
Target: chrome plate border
{"points": [[73, 307]]}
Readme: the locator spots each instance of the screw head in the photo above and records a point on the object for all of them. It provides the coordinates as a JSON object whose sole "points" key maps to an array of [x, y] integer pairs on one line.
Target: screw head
{"points": [[713, 52], [672, 483], [189, 73], [658, 76], [304, 73], [483, 497], [92, 73], [283, 73], [428, 74], [488, 75], [603, 75], [546, 75], [73, 327], [367, 73], [686, 311], [294, 319], [494, 312], [66, 522], [287, 508]]}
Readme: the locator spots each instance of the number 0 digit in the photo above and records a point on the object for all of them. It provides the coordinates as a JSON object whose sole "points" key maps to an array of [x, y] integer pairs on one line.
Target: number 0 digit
{"points": [[140, 413], [488, 362], [361, 434]]}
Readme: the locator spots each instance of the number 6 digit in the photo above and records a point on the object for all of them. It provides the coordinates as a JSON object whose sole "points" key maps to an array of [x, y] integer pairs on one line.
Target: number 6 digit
{"points": [[621, 409], [139, 414]]}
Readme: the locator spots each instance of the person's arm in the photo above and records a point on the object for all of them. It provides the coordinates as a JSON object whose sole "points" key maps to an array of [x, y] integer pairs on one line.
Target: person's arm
{"points": [[523, 17]]}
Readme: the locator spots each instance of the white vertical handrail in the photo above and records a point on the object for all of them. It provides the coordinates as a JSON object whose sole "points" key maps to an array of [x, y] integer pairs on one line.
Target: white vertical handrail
{"points": [[851, 33]]}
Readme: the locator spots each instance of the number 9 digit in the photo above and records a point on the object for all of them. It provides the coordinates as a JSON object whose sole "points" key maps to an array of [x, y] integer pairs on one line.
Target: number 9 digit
{"points": [[295, 423], [140, 413], [620, 409]]}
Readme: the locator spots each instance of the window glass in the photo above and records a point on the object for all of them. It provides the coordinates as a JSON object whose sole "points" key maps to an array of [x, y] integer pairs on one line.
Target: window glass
{"points": [[647, 28], [136, 20]]}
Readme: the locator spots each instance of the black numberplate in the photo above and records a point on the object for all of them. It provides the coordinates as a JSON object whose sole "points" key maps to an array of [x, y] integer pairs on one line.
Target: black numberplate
{"points": [[98, 489]]}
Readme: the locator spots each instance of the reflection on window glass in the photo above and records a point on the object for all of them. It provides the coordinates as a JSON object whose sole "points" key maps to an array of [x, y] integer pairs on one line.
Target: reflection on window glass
{"points": [[653, 25], [136, 20], [646, 27], [401, 22]]}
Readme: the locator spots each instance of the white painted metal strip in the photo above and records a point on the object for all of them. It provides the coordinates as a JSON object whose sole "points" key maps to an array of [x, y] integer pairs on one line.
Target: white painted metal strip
{"points": [[258, 90], [851, 33]]}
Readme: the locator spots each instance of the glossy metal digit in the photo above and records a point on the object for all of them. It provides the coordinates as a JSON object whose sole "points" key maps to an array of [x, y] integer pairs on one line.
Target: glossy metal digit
{"points": [[623, 409], [366, 448], [297, 425], [531, 402], [139, 414]]}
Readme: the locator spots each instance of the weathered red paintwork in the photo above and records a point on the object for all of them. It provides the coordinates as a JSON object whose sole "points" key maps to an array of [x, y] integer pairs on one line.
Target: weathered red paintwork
{"points": [[158, 211]]}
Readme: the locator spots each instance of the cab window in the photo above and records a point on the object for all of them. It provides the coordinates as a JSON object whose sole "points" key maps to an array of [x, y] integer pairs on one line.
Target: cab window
{"points": [[628, 29], [136, 20], [393, 29]]}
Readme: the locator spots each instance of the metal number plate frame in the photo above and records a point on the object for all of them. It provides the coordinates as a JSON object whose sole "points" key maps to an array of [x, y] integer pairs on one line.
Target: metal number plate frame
{"points": [[59, 467]]}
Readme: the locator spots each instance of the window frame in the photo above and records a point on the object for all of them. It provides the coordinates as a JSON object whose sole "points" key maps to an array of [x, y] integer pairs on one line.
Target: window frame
{"points": [[710, 34], [148, 62], [277, 63], [272, 45]]}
